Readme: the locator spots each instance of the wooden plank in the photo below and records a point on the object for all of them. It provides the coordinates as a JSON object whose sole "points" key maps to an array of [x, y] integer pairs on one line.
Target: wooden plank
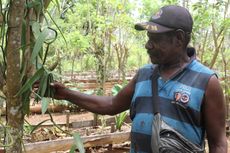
{"points": [[65, 144]]}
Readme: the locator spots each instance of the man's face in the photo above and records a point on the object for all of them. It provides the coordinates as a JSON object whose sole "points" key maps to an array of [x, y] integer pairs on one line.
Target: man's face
{"points": [[162, 48]]}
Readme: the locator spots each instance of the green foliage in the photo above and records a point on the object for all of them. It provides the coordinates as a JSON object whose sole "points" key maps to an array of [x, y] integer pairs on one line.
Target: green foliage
{"points": [[29, 129], [148, 9], [45, 36], [116, 88], [28, 85], [202, 15], [5, 132], [44, 105], [44, 89], [120, 118], [171, 2], [77, 144], [90, 22], [210, 26]]}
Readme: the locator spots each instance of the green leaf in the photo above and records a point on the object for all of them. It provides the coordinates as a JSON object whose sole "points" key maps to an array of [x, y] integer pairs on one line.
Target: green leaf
{"points": [[38, 44], [43, 84], [73, 148], [78, 142], [29, 83], [38, 125], [119, 119], [38, 6], [40, 54], [45, 104], [23, 38], [89, 92], [57, 27], [58, 6], [32, 4], [36, 29], [116, 88], [52, 36]]}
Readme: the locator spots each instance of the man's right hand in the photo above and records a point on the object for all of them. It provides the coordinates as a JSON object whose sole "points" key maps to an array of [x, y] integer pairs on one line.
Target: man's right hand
{"points": [[59, 90]]}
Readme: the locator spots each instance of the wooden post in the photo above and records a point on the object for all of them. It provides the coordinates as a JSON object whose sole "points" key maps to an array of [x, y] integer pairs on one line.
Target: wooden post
{"points": [[87, 132], [110, 147], [67, 119], [95, 120]]}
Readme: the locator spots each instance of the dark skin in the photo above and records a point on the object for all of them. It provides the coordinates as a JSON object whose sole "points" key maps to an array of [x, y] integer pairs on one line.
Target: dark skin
{"points": [[168, 51]]}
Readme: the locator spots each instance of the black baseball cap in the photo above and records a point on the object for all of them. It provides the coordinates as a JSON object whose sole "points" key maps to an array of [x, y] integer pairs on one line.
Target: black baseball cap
{"points": [[168, 18]]}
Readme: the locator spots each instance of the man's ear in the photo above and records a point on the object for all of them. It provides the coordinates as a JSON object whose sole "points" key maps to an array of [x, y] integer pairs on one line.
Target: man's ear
{"points": [[180, 36]]}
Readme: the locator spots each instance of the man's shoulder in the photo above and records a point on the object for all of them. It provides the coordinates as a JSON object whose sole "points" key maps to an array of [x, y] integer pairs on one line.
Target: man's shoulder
{"points": [[148, 66], [145, 71], [199, 67]]}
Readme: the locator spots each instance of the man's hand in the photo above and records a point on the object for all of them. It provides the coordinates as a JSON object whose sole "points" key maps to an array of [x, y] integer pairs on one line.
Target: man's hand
{"points": [[59, 90]]}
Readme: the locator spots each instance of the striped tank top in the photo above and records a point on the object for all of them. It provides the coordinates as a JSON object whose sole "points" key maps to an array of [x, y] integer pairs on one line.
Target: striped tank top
{"points": [[180, 101]]}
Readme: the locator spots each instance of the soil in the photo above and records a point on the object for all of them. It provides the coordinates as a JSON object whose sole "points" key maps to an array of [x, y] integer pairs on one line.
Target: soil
{"points": [[52, 133], [60, 118]]}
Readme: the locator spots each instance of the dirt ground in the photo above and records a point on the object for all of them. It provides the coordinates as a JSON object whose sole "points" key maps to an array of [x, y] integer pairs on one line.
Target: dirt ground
{"points": [[60, 118]]}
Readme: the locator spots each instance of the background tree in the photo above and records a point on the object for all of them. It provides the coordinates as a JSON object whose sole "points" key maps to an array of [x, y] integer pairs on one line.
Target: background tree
{"points": [[14, 106], [17, 45]]}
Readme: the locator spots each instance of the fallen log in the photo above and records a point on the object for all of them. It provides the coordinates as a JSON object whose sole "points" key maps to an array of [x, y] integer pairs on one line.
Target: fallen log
{"points": [[88, 141], [37, 109]]}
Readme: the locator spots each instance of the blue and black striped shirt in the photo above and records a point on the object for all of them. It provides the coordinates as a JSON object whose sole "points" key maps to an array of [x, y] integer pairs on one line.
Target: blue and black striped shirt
{"points": [[180, 104]]}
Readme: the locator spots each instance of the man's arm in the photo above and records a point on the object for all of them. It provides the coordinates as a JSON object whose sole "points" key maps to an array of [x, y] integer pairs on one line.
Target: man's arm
{"points": [[110, 105], [214, 117]]}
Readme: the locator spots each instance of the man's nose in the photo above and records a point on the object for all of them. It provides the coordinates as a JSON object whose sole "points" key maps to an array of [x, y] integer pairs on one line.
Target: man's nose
{"points": [[149, 45]]}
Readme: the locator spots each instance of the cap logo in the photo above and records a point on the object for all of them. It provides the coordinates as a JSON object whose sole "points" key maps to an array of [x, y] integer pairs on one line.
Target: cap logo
{"points": [[151, 27], [157, 15]]}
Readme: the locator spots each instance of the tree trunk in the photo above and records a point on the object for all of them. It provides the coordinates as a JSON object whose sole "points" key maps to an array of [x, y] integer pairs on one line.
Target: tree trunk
{"points": [[72, 67], [216, 44], [203, 47], [226, 80], [15, 117], [122, 56]]}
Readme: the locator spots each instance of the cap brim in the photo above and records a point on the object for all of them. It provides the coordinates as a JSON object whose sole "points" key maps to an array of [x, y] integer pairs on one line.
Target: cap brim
{"points": [[152, 27]]}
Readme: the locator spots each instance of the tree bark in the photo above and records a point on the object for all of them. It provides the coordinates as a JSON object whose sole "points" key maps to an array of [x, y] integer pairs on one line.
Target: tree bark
{"points": [[15, 117], [216, 44], [226, 80], [203, 47]]}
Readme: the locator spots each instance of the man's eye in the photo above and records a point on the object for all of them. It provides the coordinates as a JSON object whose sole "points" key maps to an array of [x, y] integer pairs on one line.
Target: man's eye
{"points": [[156, 40]]}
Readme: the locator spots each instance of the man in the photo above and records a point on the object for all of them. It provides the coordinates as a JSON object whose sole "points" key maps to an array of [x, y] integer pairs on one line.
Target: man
{"points": [[190, 96]]}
